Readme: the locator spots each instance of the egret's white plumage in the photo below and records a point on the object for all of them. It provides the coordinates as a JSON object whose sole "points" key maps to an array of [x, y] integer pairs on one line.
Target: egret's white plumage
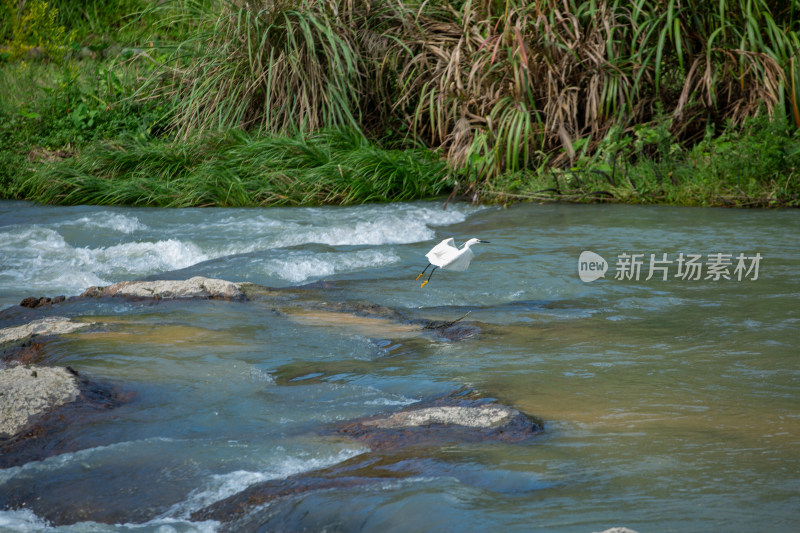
{"points": [[447, 256]]}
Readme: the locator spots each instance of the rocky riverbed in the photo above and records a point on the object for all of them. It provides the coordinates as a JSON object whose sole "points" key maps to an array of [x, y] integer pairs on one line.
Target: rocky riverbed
{"points": [[398, 445], [38, 399]]}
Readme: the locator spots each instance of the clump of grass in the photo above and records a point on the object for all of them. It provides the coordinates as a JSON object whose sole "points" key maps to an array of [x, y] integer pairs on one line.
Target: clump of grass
{"points": [[500, 89], [52, 111], [497, 86], [240, 169], [282, 66], [755, 164]]}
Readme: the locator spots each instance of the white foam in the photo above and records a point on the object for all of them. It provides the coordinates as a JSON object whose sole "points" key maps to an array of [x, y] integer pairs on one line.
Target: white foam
{"points": [[25, 520], [349, 226], [376, 225], [256, 374], [118, 222], [21, 237], [167, 525], [66, 459], [394, 399], [21, 520], [140, 258], [40, 259], [395, 231], [301, 266], [389, 401], [221, 486]]}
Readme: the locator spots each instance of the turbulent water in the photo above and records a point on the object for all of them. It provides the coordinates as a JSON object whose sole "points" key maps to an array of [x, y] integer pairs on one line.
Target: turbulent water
{"points": [[668, 404]]}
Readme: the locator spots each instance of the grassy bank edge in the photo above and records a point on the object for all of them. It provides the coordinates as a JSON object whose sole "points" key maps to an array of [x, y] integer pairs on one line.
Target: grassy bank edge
{"points": [[76, 128], [341, 167]]}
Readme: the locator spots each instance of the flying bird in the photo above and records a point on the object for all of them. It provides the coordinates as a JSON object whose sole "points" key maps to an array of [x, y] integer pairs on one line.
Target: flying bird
{"points": [[447, 256]]}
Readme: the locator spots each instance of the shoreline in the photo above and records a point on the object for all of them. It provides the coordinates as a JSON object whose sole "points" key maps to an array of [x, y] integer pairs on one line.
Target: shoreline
{"points": [[707, 116]]}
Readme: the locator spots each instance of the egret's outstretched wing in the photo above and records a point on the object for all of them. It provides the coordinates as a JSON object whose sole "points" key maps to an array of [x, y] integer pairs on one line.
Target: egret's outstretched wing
{"points": [[442, 253], [461, 261]]}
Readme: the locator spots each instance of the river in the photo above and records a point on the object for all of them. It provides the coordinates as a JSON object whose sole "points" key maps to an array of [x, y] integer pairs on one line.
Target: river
{"points": [[668, 404]]}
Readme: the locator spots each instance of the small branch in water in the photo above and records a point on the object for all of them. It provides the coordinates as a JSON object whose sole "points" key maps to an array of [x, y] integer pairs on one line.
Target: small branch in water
{"points": [[446, 325]]}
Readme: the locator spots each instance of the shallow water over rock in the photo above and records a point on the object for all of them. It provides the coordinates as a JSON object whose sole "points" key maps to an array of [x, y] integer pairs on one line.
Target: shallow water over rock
{"points": [[667, 404]]}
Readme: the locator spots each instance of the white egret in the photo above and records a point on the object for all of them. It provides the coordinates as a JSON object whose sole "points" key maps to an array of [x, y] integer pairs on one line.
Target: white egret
{"points": [[447, 256]]}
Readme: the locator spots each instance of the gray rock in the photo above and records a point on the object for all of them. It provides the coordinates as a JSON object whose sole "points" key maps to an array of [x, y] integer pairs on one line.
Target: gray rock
{"points": [[401, 442], [54, 325], [443, 421], [197, 287], [30, 391], [480, 416]]}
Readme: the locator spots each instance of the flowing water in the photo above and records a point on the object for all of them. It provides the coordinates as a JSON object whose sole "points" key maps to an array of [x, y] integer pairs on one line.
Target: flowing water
{"points": [[668, 405]]}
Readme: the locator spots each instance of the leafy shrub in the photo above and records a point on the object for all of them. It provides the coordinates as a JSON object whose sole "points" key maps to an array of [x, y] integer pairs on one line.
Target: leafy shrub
{"points": [[34, 25]]}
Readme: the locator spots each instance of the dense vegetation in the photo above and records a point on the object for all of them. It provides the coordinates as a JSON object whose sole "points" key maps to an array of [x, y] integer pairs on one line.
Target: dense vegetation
{"points": [[256, 102]]}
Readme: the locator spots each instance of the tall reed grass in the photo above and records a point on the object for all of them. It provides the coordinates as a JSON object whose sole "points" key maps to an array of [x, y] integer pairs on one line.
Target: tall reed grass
{"points": [[497, 85]]}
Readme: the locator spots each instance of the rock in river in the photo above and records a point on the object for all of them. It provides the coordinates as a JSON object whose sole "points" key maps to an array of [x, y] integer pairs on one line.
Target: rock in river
{"points": [[26, 392], [197, 287], [447, 420], [43, 410], [54, 325], [399, 444], [481, 416]]}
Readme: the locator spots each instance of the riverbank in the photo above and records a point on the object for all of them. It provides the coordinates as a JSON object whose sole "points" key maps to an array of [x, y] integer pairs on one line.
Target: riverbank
{"points": [[120, 105], [134, 104], [756, 168]]}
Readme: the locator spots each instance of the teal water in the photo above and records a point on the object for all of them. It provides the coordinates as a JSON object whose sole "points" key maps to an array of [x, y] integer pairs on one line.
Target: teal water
{"points": [[669, 405]]}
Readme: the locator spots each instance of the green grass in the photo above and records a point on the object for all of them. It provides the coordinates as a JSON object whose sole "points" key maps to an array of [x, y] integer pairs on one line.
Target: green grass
{"points": [[96, 24], [240, 169], [756, 164], [52, 111], [246, 102], [497, 86]]}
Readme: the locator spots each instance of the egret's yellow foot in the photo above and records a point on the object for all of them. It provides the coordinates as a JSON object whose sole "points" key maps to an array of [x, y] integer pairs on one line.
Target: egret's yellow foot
{"points": [[420, 275], [423, 284]]}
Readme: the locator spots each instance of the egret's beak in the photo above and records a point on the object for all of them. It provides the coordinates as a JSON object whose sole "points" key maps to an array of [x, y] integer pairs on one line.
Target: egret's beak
{"points": [[484, 242]]}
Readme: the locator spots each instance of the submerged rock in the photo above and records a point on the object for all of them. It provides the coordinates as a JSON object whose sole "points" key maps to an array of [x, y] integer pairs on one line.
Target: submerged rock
{"points": [[481, 416], [304, 304], [454, 332], [445, 421], [197, 287], [27, 353], [43, 301], [399, 446], [42, 406], [54, 325], [27, 392]]}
